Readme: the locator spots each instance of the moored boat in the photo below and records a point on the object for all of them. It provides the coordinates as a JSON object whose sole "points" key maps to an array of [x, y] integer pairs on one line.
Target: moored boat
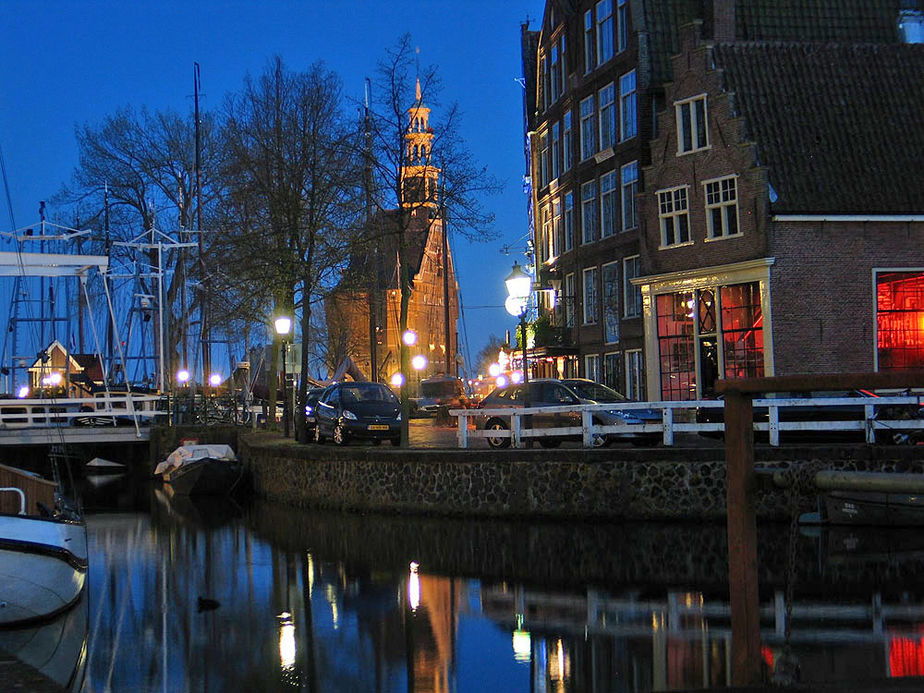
{"points": [[201, 470], [874, 508], [43, 549]]}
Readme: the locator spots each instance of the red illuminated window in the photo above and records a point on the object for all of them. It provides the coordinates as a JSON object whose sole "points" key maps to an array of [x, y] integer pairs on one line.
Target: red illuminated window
{"points": [[675, 346], [900, 320], [742, 331]]}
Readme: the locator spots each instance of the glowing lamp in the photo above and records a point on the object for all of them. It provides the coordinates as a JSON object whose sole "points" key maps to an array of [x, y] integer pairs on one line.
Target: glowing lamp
{"points": [[182, 376], [215, 380], [419, 362], [283, 325], [397, 380], [409, 337]]}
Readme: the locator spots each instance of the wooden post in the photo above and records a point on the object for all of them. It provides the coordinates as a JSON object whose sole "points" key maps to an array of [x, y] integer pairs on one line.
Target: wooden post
{"points": [[742, 538]]}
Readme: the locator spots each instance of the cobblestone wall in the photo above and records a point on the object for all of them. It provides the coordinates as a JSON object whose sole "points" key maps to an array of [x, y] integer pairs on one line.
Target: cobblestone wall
{"points": [[611, 483]]}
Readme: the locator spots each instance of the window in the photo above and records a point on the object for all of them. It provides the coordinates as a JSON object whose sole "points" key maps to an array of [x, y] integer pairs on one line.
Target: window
{"points": [[900, 320], [569, 300], [611, 302], [544, 83], [622, 21], [556, 228], [674, 214], [742, 330], [566, 142], [611, 369], [608, 208], [592, 367], [635, 386], [588, 141], [590, 296], [607, 116], [691, 124], [589, 62], [675, 345], [569, 221], [604, 31], [628, 106], [545, 240], [588, 213], [554, 75], [721, 207], [543, 160], [556, 151], [562, 67], [631, 294], [630, 196]]}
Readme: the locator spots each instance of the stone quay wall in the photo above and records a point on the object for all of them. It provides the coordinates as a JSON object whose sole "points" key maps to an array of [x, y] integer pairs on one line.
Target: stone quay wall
{"points": [[612, 483]]}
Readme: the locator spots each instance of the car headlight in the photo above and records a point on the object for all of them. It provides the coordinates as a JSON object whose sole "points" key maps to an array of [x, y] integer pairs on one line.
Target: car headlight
{"points": [[398, 417], [347, 414], [308, 410]]}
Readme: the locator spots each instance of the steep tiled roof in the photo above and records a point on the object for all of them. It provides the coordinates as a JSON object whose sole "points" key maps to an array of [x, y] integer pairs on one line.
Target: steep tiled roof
{"points": [[840, 127]]}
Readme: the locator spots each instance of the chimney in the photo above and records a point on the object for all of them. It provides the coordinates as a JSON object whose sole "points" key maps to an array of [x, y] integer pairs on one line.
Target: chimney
{"points": [[723, 20]]}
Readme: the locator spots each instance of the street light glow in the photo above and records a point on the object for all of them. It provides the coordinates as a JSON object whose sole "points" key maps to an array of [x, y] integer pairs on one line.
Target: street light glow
{"points": [[419, 362], [182, 376], [283, 325], [397, 380], [409, 337], [215, 379]]}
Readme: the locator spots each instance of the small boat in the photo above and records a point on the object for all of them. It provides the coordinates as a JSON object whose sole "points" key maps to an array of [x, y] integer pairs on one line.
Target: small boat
{"points": [[874, 508], [43, 549], [201, 470]]}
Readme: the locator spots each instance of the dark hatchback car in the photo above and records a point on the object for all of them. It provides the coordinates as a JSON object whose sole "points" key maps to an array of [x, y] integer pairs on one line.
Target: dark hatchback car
{"points": [[549, 392], [311, 404], [360, 411]]}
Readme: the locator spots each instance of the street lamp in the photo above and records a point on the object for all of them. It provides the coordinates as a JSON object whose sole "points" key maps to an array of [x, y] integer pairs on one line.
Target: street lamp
{"points": [[519, 286], [283, 326]]}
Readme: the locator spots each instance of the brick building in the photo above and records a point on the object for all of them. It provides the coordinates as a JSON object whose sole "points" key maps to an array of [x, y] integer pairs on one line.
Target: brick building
{"points": [[601, 86], [783, 213]]}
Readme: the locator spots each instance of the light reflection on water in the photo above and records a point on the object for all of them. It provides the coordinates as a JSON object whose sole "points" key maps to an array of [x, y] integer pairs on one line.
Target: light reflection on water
{"points": [[321, 601]]}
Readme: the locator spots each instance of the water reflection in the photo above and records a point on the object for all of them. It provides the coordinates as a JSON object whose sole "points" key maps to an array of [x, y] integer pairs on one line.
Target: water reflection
{"points": [[213, 597]]}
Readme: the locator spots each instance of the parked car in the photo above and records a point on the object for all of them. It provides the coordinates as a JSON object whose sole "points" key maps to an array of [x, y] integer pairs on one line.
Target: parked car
{"points": [[311, 403], [358, 410], [819, 413], [439, 394], [549, 392]]}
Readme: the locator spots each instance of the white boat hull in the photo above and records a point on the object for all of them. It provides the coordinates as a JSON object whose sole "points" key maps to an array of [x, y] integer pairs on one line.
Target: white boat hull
{"points": [[43, 567]]}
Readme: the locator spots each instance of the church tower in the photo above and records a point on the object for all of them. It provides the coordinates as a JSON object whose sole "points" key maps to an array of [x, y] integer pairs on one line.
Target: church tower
{"points": [[420, 178]]}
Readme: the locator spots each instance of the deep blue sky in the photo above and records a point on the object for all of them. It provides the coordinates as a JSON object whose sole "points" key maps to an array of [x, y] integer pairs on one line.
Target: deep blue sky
{"points": [[67, 62]]}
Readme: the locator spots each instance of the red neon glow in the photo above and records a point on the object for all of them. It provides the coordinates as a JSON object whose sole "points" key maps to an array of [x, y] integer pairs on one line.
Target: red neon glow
{"points": [[900, 320], [906, 657]]}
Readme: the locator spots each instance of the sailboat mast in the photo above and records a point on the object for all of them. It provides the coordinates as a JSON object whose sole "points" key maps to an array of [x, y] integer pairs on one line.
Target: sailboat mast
{"points": [[204, 297]]}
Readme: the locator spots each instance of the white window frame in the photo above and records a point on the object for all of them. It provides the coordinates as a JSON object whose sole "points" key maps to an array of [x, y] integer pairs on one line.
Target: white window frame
{"points": [[606, 98], [695, 144], [556, 228], [545, 240], [588, 128], [611, 292], [543, 159], [628, 106], [605, 33], [622, 28], [613, 382], [590, 295], [631, 294], [609, 195], [673, 209], [592, 367], [723, 199], [554, 72], [635, 378], [556, 149], [569, 300], [629, 194], [590, 224], [590, 61], [568, 220], [567, 134]]}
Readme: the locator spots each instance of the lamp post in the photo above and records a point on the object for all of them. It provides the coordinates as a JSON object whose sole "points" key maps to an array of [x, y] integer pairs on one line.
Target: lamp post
{"points": [[519, 286], [283, 326]]}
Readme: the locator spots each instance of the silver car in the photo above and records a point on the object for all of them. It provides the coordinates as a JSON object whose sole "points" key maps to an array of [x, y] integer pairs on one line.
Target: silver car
{"points": [[549, 392]]}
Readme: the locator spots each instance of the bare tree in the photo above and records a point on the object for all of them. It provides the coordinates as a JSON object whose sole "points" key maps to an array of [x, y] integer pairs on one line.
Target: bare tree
{"points": [[419, 178], [292, 191]]}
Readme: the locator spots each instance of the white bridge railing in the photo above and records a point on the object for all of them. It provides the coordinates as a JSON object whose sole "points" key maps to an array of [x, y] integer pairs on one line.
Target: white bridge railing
{"points": [[680, 417], [103, 410]]}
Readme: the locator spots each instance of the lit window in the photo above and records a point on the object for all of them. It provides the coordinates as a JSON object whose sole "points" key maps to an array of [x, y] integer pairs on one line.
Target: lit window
{"points": [[569, 221], [604, 31], [592, 367], [589, 224], [721, 207], [556, 151], [635, 385], [628, 106], [566, 142], [556, 228], [569, 300], [607, 116], [588, 141], [611, 302], [554, 75], [692, 133], [630, 196], [608, 204], [591, 299], [543, 160], [900, 320], [674, 215]]}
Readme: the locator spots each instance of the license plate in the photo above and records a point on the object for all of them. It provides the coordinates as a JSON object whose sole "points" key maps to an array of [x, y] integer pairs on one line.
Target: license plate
{"points": [[378, 427]]}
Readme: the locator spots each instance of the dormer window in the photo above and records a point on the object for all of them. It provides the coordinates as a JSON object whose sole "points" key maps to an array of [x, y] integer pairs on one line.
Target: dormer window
{"points": [[692, 130]]}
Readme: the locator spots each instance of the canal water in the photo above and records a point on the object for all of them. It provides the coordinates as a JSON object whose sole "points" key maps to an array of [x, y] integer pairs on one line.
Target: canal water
{"points": [[211, 595]]}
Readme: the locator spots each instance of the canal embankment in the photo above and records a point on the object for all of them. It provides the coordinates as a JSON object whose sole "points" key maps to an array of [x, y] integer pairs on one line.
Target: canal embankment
{"points": [[617, 483]]}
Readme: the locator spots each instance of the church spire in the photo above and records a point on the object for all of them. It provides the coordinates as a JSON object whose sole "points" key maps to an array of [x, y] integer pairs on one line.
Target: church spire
{"points": [[420, 178]]}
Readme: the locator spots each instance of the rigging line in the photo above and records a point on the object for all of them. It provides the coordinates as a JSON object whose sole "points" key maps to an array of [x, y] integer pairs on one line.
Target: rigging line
{"points": [[128, 388]]}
